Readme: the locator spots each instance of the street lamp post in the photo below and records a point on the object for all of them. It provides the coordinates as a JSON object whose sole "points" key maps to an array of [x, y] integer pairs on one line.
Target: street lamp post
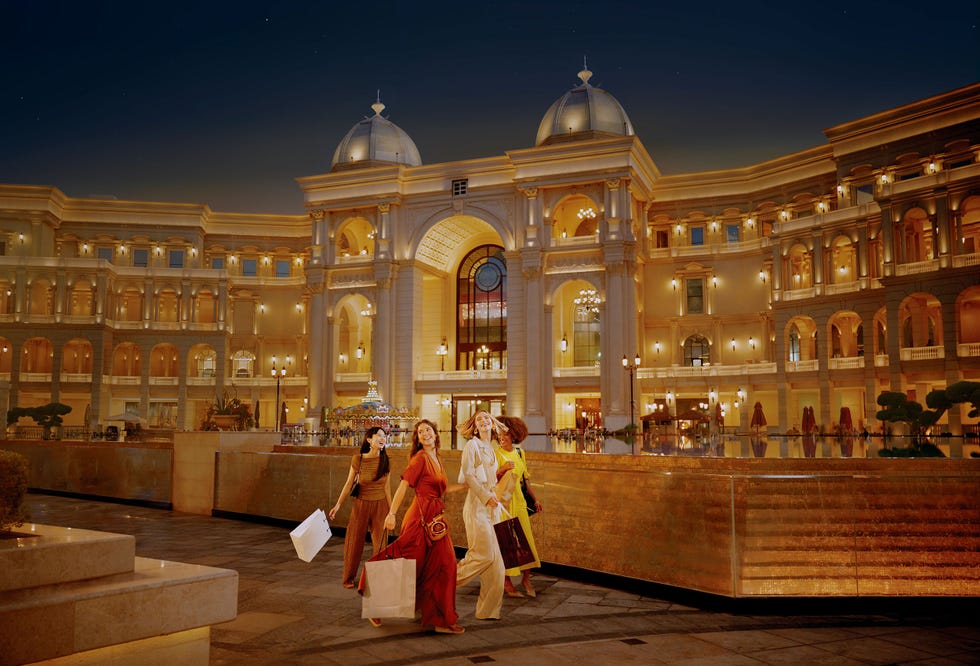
{"points": [[278, 374], [631, 369], [442, 351]]}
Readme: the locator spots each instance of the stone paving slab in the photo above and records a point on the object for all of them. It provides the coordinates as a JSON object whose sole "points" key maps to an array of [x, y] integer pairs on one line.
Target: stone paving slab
{"points": [[292, 612]]}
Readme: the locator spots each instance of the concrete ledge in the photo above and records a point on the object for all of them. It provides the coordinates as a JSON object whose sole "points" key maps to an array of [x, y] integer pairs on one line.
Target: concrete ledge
{"points": [[36, 555]]}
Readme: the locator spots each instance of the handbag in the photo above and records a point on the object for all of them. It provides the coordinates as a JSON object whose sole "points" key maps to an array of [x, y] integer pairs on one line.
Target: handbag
{"points": [[355, 490], [527, 494], [436, 528], [389, 588], [310, 535], [514, 547], [527, 498]]}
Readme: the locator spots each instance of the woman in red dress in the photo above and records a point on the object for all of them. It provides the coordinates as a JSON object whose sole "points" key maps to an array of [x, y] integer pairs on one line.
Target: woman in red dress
{"points": [[435, 561]]}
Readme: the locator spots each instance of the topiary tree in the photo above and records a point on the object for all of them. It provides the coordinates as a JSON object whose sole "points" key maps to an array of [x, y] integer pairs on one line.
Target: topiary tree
{"points": [[47, 416], [941, 400], [13, 487], [897, 408]]}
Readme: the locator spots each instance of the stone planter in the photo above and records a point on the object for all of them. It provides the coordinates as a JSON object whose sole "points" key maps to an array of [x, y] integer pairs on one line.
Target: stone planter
{"points": [[226, 421]]}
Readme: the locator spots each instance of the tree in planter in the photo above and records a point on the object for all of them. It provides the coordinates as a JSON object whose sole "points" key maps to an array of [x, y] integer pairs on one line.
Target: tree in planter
{"points": [[13, 487], [47, 416], [225, 405], [897, 408]]}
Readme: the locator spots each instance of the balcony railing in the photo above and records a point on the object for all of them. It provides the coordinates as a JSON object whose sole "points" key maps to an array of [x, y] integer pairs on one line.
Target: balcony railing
{"points": [[76, 377], [43, 377], [922, 353], [799, 294], [966, 260], [968, 349], [803, 366], [713, 370], [846, 363], [845, 287], [917, 267], [461, 375], [578, 371]]}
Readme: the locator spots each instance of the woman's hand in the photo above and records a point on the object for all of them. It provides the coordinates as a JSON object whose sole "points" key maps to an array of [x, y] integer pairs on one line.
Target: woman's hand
{"points": [[390, 521], [492, 502], [333, 512]]}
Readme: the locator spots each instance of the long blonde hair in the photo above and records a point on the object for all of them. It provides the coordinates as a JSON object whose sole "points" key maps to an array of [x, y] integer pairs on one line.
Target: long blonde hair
{"points": [[467, 429]]}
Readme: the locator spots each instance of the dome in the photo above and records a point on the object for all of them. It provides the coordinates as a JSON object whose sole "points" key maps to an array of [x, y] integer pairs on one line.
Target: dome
{"points": [[373, 141], [583, 112]]}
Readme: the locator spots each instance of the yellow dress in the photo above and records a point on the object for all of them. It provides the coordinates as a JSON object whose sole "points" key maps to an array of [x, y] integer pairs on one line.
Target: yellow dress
{"points": [[518, 505]]}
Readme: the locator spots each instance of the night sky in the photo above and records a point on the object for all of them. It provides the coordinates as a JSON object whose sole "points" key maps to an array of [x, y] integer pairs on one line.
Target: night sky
{"points": [[227, 103]]}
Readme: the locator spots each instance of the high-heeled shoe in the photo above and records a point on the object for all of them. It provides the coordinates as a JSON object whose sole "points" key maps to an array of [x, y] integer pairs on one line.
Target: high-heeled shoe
{"points": [[454, 629], [514, 593], [528, 588], [375, 621]]}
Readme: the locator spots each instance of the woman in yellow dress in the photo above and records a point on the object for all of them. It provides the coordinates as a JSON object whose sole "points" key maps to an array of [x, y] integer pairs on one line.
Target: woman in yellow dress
{"points": [[511, 460]]}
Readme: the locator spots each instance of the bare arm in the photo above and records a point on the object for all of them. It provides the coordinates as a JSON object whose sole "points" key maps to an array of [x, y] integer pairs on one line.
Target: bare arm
{"points": [[344, 492], [395, 503]]}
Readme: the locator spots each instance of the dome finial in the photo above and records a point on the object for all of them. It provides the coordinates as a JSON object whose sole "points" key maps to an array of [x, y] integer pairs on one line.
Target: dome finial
{"points": [[378, 106], [585, 74]]}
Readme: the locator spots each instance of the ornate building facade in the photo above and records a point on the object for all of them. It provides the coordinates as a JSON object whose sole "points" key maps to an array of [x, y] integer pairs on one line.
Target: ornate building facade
{"points": [[569, 283]]}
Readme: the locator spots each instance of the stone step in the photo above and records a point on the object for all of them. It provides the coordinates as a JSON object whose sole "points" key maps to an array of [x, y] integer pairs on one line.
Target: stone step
{"points": [[34, 555], [153, 599]]}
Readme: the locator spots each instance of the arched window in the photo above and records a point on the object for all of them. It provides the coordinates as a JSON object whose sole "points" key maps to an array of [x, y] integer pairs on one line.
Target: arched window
{"points": [[587, 328], [697, 351], [794, 344], [243, 364], [481, 303]]}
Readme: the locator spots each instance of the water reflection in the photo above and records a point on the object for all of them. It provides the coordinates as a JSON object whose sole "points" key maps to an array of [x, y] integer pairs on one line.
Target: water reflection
{"points": [[750, 445]]}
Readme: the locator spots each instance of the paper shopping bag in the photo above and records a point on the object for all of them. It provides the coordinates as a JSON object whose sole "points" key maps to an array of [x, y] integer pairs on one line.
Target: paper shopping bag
{"points": [[389, 588], [310, 535], [514, 547]]}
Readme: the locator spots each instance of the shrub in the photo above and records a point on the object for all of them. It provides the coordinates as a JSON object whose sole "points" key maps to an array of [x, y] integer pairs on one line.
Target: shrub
{"points": [[13, 487]]}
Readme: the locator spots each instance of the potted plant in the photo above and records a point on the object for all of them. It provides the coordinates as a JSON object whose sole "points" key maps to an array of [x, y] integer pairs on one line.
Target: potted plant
{"points": [[228, 413]]}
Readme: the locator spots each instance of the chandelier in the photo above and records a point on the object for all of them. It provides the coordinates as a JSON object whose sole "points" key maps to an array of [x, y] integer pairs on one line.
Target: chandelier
{"points": [[587, 301]]}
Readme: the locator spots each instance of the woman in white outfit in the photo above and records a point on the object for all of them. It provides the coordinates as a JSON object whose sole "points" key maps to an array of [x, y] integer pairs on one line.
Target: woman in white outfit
{"points": [[478, 471]]}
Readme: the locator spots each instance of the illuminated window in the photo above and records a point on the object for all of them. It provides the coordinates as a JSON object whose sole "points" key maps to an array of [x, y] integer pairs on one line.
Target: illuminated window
{"points": [[695, 295], [481, 303], [794, 344], [697, 351]]}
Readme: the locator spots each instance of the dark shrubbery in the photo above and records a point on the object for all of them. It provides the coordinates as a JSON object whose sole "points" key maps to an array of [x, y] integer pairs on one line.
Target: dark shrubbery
{"points": [[13, 487]]}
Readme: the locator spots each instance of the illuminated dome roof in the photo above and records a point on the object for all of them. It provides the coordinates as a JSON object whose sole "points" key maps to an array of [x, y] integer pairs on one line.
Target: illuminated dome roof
{"points": [[583, 112], [374, 141]]}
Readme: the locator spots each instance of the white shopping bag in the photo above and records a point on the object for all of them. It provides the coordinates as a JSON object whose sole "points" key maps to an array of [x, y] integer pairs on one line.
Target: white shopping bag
{"points": [[310, 535], [389, 588]]}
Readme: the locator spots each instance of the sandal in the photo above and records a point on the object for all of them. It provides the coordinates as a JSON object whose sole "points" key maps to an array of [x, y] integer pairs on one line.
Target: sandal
{"points": [[454, 629], [529, 588], [375, 622]]}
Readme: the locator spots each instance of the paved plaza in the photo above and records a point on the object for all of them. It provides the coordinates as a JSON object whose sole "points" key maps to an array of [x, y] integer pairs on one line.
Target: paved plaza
{"points": [[292, 612]]}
